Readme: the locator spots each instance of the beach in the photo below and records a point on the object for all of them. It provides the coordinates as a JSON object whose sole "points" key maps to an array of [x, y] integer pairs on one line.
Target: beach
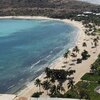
{"points": [[81, 68]]}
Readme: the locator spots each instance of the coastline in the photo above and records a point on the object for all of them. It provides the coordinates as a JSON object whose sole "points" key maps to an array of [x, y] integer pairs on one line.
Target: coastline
{"points": [[28, 91], [81, 69]]}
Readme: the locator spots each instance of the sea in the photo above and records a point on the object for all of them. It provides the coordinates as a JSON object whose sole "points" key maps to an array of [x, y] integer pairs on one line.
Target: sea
{"points": [[27, 47]]}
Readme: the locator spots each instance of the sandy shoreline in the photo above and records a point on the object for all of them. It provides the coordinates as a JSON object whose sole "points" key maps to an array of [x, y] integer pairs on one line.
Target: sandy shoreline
{"points": [[81, 69], [30, 89]]}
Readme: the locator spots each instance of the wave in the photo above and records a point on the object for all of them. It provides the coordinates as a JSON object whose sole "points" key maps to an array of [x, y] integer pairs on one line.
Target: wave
{"points": [[30, 72]]}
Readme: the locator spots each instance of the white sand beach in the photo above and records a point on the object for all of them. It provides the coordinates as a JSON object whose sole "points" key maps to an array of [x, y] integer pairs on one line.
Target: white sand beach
{"points": [[81, 68]]}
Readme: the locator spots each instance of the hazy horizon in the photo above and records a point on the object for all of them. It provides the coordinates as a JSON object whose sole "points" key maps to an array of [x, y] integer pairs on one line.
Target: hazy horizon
{"points": [[92, 1]]}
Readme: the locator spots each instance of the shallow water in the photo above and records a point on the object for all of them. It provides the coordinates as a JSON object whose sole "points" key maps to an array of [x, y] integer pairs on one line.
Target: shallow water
{"points": [[27, 46]]}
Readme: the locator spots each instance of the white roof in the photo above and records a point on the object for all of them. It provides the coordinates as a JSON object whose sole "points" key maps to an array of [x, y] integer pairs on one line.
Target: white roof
{"points": [[87, 12], [97, 13], [81, 15]]}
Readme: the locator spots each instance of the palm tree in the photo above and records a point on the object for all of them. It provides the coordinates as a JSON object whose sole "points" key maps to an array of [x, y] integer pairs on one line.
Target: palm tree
{"points": [[76, 49], [66, 54], [38, 83], [46, 85], [71, 72], [60, 88], [93, 69], [85, 55], [48, 72], [84, 44], [53, 90], [52, 79], [84, 95], [71, 84], [95, 42], [98, 38]]}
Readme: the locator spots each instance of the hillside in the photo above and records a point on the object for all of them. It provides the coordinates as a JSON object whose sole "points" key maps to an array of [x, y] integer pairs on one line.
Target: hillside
{"points": [[51, 8]]}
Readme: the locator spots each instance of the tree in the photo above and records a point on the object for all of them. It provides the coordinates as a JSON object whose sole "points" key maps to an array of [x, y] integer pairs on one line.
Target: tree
{"points": [[60, 88], [37, 94], [38, 83], [48, 72], [46, 85], [93, 69], [71, 72], [53, 90], [98, 38], [52, 79], [79, 60], [95, 42], [76, 49], [84, 44], [71, 84], [66, 54], [84, 95], [85, 55]]}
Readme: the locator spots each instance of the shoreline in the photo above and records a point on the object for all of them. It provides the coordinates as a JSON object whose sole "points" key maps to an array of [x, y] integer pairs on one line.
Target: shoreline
{"points": [[55, 59], [59, 62], [59, 59]]}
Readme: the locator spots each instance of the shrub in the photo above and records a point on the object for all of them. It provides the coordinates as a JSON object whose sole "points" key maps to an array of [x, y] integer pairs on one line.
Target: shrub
{"points": [[99, 82], [84, 44], [85, 55], [71, 94], [37, 94], [79, 60]]}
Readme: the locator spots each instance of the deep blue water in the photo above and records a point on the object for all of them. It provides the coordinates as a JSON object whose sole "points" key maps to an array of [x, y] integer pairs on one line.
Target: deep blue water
{"points": [[28, 46]]}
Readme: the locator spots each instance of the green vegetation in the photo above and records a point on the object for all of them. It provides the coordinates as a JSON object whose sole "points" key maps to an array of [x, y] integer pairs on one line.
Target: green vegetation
{"points": [[79, 91], [50, 8], [86, 88], [98, 31], [37, 94], [90, 90], [91, 77], [52, 76], [38, 83], [85, 55]]}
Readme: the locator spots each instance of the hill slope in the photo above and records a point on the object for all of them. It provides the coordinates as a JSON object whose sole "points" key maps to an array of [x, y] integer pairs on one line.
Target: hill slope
{"points": [[44, 7]]}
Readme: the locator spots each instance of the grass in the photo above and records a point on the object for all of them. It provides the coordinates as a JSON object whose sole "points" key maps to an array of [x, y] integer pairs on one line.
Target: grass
{"points": [[70, 94], [89, 83], [86, 88], [90, 90], [98, 31], [91, 77]]}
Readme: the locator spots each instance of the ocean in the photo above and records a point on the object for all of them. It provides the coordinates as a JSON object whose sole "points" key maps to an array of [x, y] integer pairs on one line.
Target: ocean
{"points": [[27, 47]]}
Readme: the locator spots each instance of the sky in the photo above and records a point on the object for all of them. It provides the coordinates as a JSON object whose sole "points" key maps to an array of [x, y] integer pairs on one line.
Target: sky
{"points": [[93, 1]]}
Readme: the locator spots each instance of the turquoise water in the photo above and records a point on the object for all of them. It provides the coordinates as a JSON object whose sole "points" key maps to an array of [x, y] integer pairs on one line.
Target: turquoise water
{"points": [[27, 47]]}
